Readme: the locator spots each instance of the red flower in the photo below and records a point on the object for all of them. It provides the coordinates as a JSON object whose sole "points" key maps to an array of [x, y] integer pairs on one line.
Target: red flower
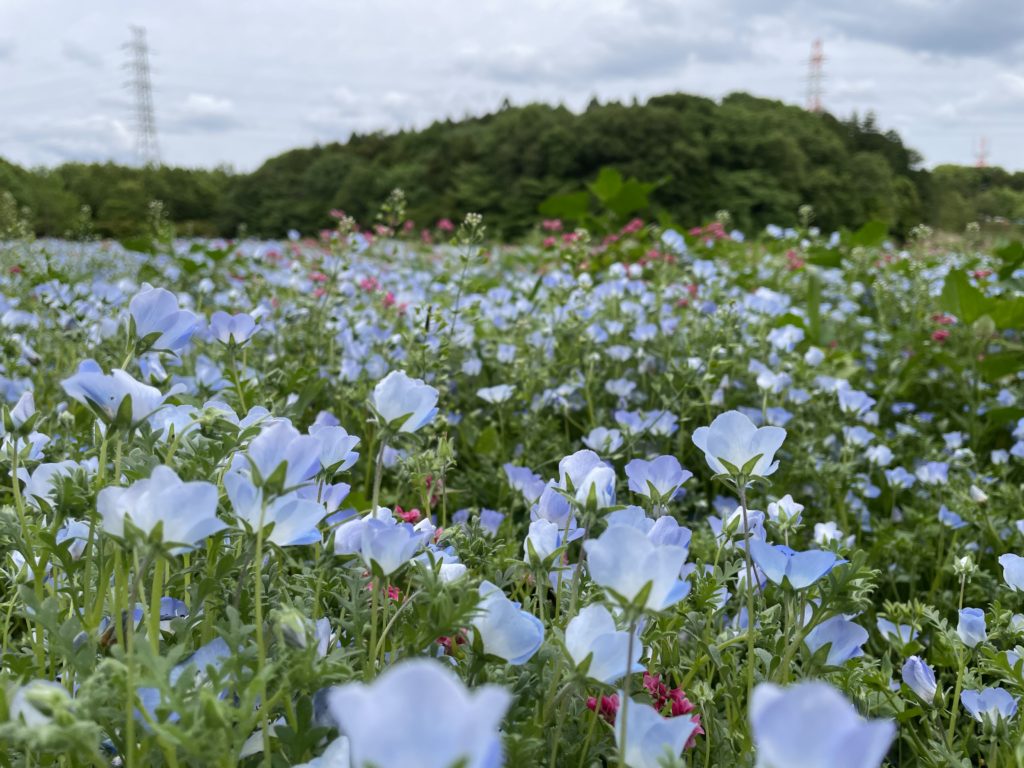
{"points": [[940, 335]]}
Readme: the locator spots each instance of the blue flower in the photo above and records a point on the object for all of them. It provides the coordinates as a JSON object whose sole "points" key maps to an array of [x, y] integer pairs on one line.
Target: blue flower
{"points": [[843, 637], [650, 738], [399, 398], [624, 561], [504, 629], [158, 322], [105, 394], [1013, 571], [295, 519], [811, 725], [992, 703], [933, 473], [657, 479], [185, 512], [592, 634], [800, 569], [463, 727], [232, 329], [734, 440], [900, 633], [336, 454], [389, 545], [951, 519], [280, 444], [920, 678], [971, 627]]}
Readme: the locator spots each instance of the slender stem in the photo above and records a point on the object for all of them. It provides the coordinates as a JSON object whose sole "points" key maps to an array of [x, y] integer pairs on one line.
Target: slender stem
{"points": [[741, 489], [590, 734], [954, 706], [372, 656], [154, 605], [378, 473], [626, 686], [260, 643]]}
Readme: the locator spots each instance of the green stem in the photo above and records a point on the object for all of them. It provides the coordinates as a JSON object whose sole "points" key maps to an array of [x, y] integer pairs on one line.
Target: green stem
{"points": [[260, 642], [955, 704], [378, 473], [741, 488], [590, 734], [154, 605], [372, 655], [626, 686]]}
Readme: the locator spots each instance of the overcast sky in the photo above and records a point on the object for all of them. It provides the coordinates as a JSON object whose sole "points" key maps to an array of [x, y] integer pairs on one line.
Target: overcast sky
{"points": [[237, 82]]}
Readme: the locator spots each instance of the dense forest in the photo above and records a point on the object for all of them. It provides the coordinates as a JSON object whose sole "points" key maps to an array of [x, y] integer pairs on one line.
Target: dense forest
{"points": [[759, 159]]}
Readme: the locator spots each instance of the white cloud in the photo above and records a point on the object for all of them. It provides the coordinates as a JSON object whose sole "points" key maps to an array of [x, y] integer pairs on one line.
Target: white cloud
{"points": [[300, 71]]}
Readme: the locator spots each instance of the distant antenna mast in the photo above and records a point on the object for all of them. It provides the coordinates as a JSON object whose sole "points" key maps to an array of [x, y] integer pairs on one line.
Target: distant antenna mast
{"points": [[815, 77], [146, 148], [981, 153]]}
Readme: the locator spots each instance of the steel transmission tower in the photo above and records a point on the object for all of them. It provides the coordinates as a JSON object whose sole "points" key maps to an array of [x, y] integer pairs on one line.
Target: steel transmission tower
{"points": [[146, 148], [815, 77], [981, 153]]}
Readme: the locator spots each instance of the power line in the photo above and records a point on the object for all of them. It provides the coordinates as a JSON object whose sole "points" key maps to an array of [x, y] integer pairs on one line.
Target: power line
{"points": [[146, 148]]}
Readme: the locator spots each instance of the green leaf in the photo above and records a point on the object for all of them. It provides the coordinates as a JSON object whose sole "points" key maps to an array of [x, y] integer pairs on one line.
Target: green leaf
{"points": [[871, 235], [1001, 364], [607, 186], [1008, 313], [824, 257], [962, 299], [572, 206], [488, 442], [633, 198]]}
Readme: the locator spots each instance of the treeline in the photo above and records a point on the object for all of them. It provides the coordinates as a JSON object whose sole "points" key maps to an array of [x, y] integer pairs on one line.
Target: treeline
{"points": [[759, 159]]}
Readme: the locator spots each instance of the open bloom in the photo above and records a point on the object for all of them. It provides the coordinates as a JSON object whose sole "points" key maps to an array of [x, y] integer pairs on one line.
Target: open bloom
{"points": [[186, 512], [505, 630], [232, 329], [295, 518], [811, 725], [279, 443], [650, 738], [800, 569], [157, 317], [1013, 571], [389, 545], [657, 479], [843, 637], [106, 393], [734, 440], [336, 446], [991, 703], [463, 728], [592, 635], [399, 397], [624, 561]]}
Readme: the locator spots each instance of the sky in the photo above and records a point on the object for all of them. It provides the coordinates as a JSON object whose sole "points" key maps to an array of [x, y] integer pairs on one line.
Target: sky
{"points": [[235, 83]]}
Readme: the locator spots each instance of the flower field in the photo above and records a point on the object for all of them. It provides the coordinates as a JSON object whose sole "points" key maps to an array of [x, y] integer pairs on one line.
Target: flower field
{"points": [[413, 500]]}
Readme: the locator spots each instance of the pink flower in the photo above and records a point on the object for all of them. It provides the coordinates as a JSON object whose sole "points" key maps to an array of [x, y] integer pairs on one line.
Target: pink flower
{"points": [[369, 284], [940, 335], [634, 225], [445, 225], [608, 709], [549, 242], [551, 225], [389, 299]]}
